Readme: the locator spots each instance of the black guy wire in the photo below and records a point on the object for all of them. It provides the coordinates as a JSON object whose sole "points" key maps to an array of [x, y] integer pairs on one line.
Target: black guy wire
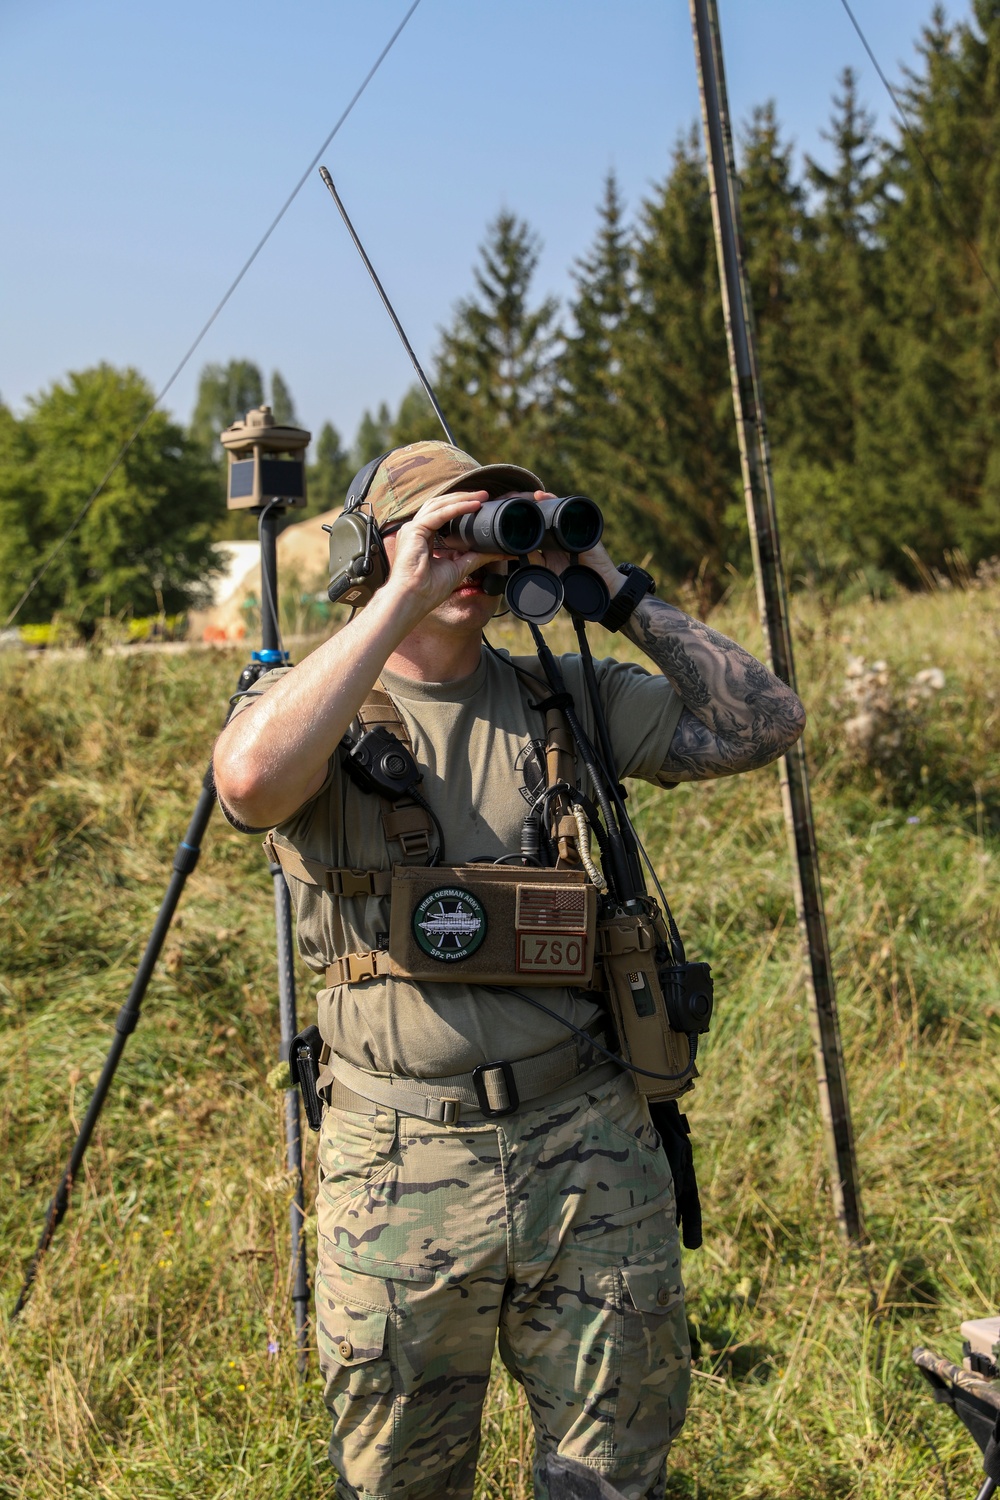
{"points": [[912, 137], [597, 1046], [232, 287]]}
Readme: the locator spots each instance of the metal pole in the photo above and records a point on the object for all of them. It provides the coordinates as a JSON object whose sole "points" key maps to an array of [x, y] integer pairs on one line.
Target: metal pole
{"points": [[185, 859], [293, 1128], [773, 605], [270, 641]]}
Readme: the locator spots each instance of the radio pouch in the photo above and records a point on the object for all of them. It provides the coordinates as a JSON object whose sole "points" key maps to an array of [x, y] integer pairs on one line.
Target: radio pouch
{"points": [[628, 952], [404, 821], [492, 924]]}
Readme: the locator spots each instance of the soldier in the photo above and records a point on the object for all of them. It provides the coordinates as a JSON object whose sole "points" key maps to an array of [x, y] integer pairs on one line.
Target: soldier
{"points": [[484, 1172]]}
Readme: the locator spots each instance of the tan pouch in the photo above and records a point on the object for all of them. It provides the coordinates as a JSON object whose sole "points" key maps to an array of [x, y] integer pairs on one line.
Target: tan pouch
{"points": [[492, 924], [627, 948]]}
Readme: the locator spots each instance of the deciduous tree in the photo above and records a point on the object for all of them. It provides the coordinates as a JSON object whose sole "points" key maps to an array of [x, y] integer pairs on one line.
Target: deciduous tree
{"points": [[146, 542]]}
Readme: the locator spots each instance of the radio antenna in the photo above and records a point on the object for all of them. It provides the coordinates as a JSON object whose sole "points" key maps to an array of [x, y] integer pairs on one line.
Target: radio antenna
{"points": [[387, 305]]}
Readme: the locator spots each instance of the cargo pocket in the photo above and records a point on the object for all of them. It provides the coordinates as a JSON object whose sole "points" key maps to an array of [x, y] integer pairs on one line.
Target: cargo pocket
{"points": [[653, 1287], [352, 1330], [352, 1316], [656, 1356]]}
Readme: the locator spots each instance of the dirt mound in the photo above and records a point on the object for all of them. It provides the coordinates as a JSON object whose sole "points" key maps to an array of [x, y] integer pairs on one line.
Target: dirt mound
{"points": [[303, 558]]}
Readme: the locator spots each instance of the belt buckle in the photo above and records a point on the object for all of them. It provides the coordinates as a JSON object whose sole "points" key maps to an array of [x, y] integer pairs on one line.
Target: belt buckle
{"points": [[478, 1083]]}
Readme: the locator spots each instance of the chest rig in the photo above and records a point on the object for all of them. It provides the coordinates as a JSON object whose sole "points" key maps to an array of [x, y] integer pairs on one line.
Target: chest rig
{"points": [[498, 924], [513, 924]]}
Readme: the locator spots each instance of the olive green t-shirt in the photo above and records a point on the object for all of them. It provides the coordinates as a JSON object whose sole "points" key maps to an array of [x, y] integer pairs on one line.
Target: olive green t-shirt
{"points": [[479, 746]]}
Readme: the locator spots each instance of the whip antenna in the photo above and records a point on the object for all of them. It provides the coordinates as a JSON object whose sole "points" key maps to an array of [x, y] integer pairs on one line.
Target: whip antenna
{"points": [[414, 361]]}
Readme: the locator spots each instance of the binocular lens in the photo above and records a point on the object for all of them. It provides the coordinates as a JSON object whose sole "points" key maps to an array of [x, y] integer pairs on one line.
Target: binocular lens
{"points": [[514, 527], [575, 522], [518, 527]]}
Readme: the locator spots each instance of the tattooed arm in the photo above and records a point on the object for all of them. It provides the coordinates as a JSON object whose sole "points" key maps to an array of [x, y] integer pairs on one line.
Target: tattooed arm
{"points": [[737, 715]]}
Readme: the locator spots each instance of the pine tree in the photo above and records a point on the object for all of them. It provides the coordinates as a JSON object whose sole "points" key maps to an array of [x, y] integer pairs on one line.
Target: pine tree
{"points": [[678, 490], [225, 392], [841, 274], [282, 405], [586, 428], [495, 370], [329, 474], [773, 217], [942, 252], [829, 479], [374, 436], [415, 420]]}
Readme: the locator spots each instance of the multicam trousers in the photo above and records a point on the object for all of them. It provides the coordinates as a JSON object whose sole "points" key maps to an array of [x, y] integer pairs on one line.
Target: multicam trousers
{"points": [[553, 1228]]}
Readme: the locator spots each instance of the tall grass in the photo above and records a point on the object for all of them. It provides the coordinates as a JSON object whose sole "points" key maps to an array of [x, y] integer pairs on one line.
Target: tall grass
{"points": [[155, 1359]]}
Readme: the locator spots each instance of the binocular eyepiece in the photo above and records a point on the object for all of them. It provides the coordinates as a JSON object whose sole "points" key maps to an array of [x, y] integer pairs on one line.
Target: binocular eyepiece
{"points": [[516, 527]]}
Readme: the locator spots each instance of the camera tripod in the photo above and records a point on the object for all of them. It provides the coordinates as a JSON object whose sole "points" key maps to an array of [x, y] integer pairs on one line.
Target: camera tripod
{"points": [[185, 860]]}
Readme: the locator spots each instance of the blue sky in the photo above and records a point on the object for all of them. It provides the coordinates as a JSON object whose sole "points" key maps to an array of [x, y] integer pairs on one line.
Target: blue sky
{"points": [[148, 146]]}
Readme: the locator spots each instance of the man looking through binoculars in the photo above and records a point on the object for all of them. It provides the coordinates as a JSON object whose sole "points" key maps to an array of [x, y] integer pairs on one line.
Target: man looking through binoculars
{"points": [[485, 1171]]}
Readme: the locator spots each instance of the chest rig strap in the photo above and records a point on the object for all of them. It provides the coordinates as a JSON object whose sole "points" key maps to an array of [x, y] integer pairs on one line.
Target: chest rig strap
{"points": [[560, 765], [404, 821], [335, 880]]}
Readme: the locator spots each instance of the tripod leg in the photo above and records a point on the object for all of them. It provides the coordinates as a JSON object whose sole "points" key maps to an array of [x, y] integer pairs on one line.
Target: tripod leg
{"points": [[185, 860], [293, 1129]]}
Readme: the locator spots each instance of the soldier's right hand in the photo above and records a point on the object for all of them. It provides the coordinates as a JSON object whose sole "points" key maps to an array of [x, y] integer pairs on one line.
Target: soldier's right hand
{"points": [[425, 567]]}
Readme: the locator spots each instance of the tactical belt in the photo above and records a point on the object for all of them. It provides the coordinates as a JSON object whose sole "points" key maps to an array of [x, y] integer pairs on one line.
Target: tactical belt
{"points": [[492, 1090]]}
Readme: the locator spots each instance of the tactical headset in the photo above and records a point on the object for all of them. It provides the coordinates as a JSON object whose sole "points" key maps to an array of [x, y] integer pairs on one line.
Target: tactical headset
{"points": [[358, 561]]}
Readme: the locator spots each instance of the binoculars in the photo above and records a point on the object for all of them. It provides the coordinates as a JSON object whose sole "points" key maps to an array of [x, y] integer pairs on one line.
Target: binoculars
{"points": [[517, 527], [512, 527]]}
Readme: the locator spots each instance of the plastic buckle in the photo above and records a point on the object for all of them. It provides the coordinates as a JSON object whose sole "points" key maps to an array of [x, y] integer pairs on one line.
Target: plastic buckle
{"points": [[479, 1084], [355, 883], [416, 841], [361, 966]]}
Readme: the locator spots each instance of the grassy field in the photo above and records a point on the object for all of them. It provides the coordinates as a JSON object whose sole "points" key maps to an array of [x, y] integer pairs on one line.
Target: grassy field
{"points": [[154, 1357]]}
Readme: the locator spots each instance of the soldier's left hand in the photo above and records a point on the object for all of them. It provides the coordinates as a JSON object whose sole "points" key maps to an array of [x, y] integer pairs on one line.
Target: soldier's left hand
{"points": [[597, 558]]}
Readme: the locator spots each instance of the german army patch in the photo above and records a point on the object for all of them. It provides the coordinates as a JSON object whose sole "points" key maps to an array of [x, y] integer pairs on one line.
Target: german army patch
{"points": [[449, 924]]}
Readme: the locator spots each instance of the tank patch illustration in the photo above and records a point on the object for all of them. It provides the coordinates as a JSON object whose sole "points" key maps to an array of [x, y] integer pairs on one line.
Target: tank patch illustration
{"points": [[449, 924]]}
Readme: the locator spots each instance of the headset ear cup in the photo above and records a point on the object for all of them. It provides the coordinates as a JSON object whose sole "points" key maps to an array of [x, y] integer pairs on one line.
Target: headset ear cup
{"points": [[350, 548], [379, 571]]}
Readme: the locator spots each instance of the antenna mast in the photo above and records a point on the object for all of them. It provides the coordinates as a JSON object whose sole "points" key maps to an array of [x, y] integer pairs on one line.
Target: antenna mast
{"points": [[772, 602]]}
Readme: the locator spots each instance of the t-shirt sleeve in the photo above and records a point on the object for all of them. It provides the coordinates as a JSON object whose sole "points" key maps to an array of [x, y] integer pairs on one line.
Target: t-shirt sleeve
{"points": [[642, 709], [243, 702]]}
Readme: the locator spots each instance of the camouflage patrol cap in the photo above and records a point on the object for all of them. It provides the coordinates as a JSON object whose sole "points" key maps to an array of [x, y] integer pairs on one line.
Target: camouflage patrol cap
{"points": [[420, 471]]}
